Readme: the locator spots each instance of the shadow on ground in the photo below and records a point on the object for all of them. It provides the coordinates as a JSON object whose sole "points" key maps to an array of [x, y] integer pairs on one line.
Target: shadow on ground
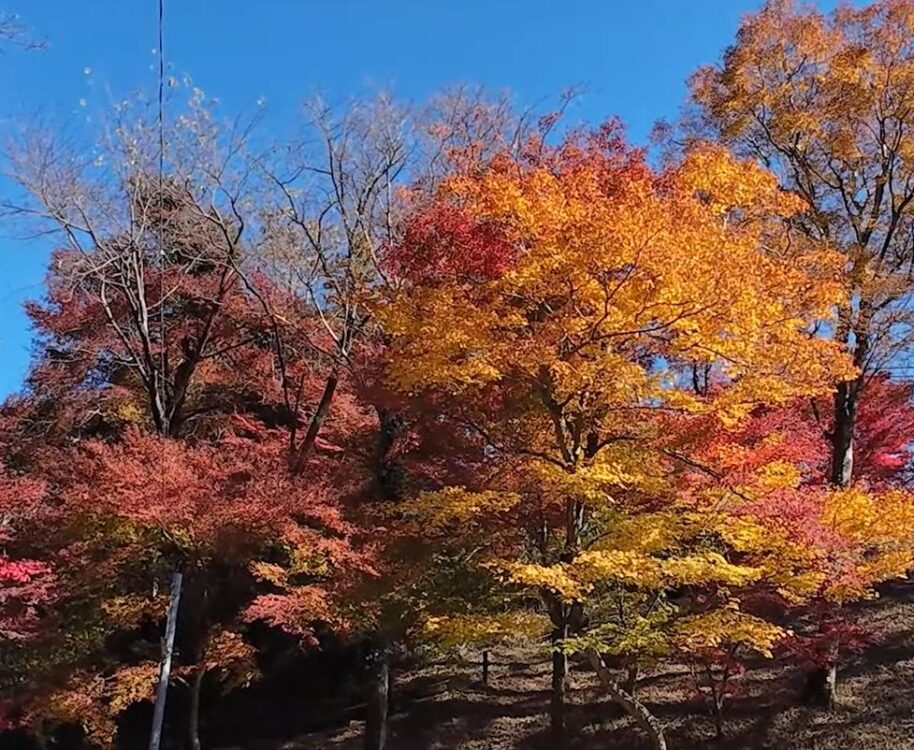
{"points": [[443, 707]]}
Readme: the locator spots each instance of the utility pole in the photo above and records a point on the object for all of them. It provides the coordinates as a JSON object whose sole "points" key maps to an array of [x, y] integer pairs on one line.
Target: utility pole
{"points": [[168, 644]]}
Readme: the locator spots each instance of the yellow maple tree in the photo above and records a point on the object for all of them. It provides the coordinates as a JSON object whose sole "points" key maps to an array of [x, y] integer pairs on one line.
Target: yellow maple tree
{"points": [[568, 305]]}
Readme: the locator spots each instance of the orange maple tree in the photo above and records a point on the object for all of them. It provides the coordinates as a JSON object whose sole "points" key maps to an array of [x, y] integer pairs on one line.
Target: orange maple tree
{"points": [[568, 348], [825, 101]]}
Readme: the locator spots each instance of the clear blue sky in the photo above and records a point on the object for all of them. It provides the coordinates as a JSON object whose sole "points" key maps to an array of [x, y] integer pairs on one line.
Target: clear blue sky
{"points": [[634, 56]]}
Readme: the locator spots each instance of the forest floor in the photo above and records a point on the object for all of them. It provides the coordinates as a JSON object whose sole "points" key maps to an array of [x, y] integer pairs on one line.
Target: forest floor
{"points": [[444, 706]]}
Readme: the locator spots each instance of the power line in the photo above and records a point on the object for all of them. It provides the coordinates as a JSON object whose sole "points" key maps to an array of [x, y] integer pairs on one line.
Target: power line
{"points": [[171, 621], [161, 218]]}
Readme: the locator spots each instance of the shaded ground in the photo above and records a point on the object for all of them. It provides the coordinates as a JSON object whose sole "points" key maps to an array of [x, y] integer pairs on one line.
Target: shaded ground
{"points": [[443, 706]]}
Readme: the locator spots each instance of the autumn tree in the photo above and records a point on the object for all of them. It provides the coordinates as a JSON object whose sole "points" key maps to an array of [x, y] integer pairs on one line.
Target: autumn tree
{"points": [[27, 583], [771, 472], [562, 298], [825, 101], [149, 258], [341, 195], [254, 544], [154, 415]]}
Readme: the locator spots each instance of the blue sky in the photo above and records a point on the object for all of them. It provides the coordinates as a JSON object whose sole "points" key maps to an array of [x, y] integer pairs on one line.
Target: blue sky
{"points": [[633, 55]]}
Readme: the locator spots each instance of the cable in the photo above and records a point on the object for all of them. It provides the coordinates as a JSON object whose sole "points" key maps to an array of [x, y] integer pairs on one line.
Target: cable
{"points": [[161, 187], [161, 394]]}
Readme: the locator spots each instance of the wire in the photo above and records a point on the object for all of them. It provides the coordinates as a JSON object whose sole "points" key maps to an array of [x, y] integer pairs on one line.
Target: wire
{"points": [[161, 187], [155, 735]]}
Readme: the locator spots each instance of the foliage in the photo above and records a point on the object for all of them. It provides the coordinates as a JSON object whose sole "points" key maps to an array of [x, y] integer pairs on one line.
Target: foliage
{"points": [[825, 102], [544, 392], [591, 321]]}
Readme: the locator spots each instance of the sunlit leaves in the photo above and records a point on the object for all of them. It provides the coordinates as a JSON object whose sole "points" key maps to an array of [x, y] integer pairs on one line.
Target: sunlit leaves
{"points": [[483, 629]]}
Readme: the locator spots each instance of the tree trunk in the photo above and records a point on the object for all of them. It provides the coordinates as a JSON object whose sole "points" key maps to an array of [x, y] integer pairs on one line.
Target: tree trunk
{"points": [[171, 624], [633, 707], [631, 680], [388, 475], [378, 702], [842, 437], [300, 458], [717, 709], [559, 685], [193, 722], [848, 393], [831, 686], [389, 472], [822, 684]]}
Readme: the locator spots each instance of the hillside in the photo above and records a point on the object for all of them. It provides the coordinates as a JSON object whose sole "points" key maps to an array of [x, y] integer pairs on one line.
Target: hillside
{"points": [[445, 707]]}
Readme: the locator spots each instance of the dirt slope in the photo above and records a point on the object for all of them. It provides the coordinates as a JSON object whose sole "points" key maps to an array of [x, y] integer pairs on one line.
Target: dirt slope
{"points": [[444, 707]]}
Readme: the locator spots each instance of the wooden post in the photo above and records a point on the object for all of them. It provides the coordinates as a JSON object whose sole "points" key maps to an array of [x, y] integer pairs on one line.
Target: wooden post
{"points": [[158, 714], [485, 667], [378, 700]]}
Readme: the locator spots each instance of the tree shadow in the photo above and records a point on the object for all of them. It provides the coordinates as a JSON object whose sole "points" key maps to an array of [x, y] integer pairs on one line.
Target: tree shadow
{"points": [[898, 647]]}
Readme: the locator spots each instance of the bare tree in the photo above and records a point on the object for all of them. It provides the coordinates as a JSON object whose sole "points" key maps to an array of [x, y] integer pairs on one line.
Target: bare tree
{"points": [[334, 210], [151, 239], [341, 194]]}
